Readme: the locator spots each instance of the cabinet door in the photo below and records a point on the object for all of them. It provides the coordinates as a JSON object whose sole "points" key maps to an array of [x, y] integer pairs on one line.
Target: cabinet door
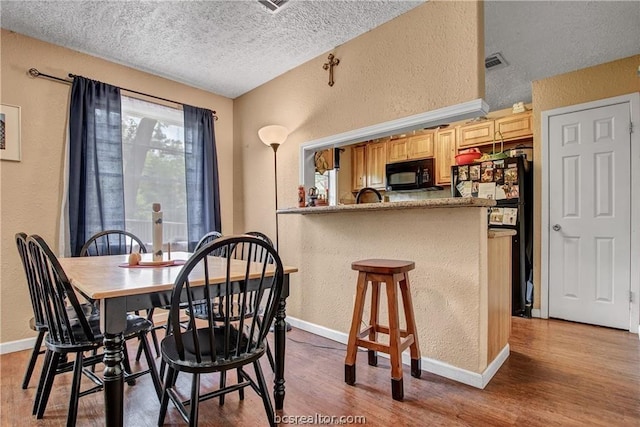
{"points": [[420, 146], [476, 134], [445, 155], [358, 168], [376, 158], [397, 150], [516, 126]]}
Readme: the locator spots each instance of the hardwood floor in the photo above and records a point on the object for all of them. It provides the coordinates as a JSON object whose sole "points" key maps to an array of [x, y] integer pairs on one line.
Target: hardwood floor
{"points": [[558, 373]]}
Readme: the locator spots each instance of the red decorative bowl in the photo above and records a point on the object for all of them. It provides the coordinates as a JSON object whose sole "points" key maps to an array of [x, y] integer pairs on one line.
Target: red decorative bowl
{"points": [[466, 158]]}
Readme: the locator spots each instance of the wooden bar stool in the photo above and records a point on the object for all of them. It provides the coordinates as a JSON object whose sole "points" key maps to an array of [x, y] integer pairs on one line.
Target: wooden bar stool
{"points": [[391, 272]]}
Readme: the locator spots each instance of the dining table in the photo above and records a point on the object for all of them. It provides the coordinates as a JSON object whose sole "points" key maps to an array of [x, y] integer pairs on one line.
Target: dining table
{"points": [[121, 289]]}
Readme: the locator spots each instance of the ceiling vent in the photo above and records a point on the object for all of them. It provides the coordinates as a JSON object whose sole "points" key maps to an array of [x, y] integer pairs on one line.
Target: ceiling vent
{"points": [[495, 61], [273, 5]]}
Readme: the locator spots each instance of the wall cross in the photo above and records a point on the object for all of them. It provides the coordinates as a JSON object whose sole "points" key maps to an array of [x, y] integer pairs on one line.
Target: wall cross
{"points": [[333, 61]]}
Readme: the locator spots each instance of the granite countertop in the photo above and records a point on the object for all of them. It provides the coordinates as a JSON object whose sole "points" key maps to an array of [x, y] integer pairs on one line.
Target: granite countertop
{"points": [[450, 202]]}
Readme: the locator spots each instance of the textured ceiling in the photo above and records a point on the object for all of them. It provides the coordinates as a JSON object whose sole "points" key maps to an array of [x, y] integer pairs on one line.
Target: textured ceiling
{"points": [[231, 47], [226, 47], [540, 39]]}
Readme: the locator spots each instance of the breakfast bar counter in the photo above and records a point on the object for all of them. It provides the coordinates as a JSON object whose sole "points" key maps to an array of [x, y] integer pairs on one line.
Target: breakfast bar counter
{"points": [[413, 204], [460, 285]]}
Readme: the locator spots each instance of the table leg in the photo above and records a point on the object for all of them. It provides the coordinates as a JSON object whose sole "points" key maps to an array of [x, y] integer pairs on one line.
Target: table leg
{"points": [[113, 321], [280, 330], [113, 379]]}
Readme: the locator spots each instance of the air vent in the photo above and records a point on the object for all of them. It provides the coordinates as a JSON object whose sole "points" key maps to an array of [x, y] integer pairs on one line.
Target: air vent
{"points": [[495, 61], [273, 5]]}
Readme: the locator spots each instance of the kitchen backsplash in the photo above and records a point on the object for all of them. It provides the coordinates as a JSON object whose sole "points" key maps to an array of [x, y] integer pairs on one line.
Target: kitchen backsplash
{"points": [[401, 196]]}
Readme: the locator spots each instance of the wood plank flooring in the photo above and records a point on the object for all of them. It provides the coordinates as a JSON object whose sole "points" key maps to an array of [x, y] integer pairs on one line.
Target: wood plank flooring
{"points": [[558, 373]]}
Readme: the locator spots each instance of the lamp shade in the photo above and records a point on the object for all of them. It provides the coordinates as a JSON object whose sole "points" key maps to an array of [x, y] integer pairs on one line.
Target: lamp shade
{"points": [[273, 134]]}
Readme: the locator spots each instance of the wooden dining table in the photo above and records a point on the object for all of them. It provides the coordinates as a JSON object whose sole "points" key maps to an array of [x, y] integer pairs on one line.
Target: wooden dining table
{"points": [[121, 289]]}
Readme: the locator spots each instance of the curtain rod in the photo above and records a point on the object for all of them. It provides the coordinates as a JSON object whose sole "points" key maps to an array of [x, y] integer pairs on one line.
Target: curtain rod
{"points": [[33, 72]]}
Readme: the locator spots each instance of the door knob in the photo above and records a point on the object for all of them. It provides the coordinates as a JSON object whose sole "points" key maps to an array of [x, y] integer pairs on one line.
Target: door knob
{"points": [[556, 227]]}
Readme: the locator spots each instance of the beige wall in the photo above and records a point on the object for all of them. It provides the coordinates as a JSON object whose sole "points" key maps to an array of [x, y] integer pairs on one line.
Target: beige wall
{"points": [[429, 58], [589, 84], [31, 189]]}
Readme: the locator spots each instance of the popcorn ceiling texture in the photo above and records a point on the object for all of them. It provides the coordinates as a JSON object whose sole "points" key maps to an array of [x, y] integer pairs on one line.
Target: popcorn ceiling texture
{"points": [[230, 47], [225, 47]]}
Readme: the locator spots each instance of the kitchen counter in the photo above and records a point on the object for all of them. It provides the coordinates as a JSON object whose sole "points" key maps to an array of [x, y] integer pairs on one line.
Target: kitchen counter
{"points": [[449, 202], [461, 284]]}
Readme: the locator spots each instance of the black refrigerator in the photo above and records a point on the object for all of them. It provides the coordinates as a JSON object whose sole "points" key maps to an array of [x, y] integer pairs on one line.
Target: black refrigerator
{"points": [[509, 181]]}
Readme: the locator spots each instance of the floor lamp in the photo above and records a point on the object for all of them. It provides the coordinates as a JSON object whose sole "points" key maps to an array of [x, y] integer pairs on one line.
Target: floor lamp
{"points": [[274, 136]]}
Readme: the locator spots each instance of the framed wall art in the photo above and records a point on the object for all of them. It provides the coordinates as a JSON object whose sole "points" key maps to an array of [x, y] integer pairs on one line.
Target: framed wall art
{"points": [[9, 132]]}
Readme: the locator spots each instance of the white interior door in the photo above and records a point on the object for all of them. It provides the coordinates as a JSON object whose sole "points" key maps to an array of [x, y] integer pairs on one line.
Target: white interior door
{"points": [[590, 215]]}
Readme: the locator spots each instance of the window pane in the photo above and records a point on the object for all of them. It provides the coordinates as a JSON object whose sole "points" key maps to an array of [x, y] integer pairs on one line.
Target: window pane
{"points": [[153, 153]]}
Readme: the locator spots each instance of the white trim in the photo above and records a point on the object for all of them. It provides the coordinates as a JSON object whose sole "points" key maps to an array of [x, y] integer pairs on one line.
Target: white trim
{"points": [[19, 345], [633, 99], [433, 366], [535, 312], [475, 108]]}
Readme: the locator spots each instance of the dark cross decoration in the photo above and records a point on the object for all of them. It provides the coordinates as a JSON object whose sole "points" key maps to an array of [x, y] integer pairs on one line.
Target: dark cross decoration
{"points": [[333, 61]]}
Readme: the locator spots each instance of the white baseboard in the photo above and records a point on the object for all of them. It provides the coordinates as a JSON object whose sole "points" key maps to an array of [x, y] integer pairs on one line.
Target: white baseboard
{"points": [[433, 366], [19, 345], [535, 312]]}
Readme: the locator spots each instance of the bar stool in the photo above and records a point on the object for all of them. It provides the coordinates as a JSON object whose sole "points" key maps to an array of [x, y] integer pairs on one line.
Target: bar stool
{"points": [[392, 273]]}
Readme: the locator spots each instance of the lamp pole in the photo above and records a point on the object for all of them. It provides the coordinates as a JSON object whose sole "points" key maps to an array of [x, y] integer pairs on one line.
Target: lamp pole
{"points": [[273, 136], [275, 184]]}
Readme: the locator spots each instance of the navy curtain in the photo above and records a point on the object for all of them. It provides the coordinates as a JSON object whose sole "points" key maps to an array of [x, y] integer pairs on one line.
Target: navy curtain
{"points": [[96, 186], [201, 164]]}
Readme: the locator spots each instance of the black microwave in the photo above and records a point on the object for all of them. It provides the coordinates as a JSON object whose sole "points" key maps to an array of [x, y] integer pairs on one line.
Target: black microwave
{"points": [[412, 175]]}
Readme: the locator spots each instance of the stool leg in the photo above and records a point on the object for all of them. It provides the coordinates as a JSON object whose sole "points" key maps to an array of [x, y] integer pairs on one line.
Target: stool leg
{"points": [[352, 347], [373, 321], [397, 390], [414, 348]]}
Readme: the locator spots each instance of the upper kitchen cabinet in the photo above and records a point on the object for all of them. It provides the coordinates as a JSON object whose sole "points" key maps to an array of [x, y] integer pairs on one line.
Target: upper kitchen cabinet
{"points": [[421, 146], [397, 150], [474, 134], [358, 167], [410, 148], [376, 159], [445, 154], [512, 127], [516, 126], [368, 165]]}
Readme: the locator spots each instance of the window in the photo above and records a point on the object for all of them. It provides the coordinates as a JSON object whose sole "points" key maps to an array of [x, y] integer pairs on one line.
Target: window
{"points": [[154, 168]]}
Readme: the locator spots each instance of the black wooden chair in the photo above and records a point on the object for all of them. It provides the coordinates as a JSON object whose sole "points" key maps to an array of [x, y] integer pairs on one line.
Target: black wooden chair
{"points": [[74, 334], [120, 242], [209, 237], [112, 242], [199, 307], [238, 252], [218, 346], [38, 322]]}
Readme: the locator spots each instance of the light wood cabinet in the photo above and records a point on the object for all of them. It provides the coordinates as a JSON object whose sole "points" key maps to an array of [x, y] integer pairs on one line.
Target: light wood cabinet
{"points": [[515, 126], [410, 148], [368, 166], [420, 146], [358, 168], [376, 160], [397, 150], [475, 134], [512, 127], [445, 155]]}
